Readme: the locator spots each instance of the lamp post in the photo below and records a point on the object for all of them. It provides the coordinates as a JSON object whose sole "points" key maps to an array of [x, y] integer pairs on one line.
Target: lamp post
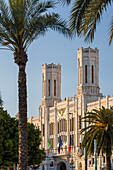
{"points": [[72, 136], [85, 151], [95, 147]]}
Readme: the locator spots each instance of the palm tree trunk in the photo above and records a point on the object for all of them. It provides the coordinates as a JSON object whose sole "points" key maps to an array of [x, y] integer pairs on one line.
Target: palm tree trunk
{"points": [[20, 60]]}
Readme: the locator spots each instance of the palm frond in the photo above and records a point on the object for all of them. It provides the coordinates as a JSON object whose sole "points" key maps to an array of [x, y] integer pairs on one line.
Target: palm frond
{"points": [[25, 20], [40, 25], [85, 15], [77, 13], [36, 8], [111, 32], [101, 129]]}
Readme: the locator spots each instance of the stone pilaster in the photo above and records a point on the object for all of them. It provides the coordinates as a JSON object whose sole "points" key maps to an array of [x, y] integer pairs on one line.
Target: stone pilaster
{"points": [[56, 125]]}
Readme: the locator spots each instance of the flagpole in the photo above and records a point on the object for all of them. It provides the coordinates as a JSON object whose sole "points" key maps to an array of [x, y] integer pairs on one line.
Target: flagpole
{"points": [[71, 141]]}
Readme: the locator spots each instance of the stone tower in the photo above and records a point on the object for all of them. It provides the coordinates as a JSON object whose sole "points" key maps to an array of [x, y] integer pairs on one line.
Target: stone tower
{"points": [[88, 73], [51, 84]]}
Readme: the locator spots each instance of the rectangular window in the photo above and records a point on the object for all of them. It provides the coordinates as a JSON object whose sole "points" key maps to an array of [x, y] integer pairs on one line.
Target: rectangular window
{"points": [[73, 140], [80, 75], [72, 124], [89, 163], [93, 161], [65, 125], [49, 87], [43, 130], [92, 74], [79, 122], [58, 127], [103, 159], [54, 87], [52, 128], [85, 73], [49, 129]]}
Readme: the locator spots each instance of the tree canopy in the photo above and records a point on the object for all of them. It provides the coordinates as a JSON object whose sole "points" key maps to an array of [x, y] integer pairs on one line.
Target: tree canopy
{"points": [[99, 127], [9, 141], [21, 22], [86, 14]]}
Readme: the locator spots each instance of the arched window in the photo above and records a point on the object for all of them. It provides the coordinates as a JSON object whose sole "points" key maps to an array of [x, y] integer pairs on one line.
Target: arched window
{"points": [[51, 164], [43, 168]]}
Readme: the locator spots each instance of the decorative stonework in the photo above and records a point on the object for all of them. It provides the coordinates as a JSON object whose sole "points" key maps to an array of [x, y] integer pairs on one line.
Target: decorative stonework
{"points": [[63, 118]]}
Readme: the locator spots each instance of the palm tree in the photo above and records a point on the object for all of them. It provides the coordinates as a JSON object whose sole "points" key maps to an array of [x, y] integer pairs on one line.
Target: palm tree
{"points": [[21, 22], [100, 127], [85, 15]]}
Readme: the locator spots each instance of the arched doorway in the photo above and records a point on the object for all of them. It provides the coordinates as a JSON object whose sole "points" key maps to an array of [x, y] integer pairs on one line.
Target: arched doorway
{"points": [[80, 166], [61, 166], [43, 168]]}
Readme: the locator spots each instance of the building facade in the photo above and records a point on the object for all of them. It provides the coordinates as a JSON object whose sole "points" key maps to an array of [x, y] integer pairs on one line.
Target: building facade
{"points": [[62, 119]]}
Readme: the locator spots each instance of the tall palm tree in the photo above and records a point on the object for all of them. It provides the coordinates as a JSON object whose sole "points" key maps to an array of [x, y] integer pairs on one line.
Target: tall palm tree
{"points": [[85, 15], [99, 127], [21, 22]]}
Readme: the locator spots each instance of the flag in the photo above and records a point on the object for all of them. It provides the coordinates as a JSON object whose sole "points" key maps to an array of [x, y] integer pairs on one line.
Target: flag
{"points": [[60, 144], [70, 143], [47, 152], [49, 144]]}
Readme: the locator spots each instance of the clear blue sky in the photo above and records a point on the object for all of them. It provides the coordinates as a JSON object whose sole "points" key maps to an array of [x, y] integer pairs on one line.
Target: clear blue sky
{"points": [[55, 48]]}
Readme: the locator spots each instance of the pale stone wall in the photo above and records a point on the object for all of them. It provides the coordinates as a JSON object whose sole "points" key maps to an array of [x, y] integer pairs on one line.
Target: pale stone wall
{"points": [[56, 116], [106, 102], [35, 121]]}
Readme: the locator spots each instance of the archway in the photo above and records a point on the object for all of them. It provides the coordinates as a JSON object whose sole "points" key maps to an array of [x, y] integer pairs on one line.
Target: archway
{"points": [[61, 166], [43, 168], [80, 166]]}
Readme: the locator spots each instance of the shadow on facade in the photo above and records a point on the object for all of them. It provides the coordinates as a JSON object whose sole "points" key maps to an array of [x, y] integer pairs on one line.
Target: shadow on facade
{"points": [[61, 166]]}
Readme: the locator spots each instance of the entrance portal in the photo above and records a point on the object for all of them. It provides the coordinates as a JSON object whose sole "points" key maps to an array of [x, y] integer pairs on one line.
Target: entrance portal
{"points": [[61, 166]]}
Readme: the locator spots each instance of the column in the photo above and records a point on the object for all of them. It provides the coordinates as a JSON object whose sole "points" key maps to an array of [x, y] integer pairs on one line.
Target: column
{"points": [[99, 100], [76, 123], [67, 116], [46, 122], [56, 126], [40, 120]]}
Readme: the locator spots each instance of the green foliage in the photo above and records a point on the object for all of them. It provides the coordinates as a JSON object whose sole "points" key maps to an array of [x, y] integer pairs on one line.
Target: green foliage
{"points": [[9, 141], [1, 102], [25, 20], [99, 127], [85, 15], [36, 155]]}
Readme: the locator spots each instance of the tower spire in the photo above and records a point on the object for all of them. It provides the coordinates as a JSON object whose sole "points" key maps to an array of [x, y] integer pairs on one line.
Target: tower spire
{"points": [[88, 73], [51, 84]]}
